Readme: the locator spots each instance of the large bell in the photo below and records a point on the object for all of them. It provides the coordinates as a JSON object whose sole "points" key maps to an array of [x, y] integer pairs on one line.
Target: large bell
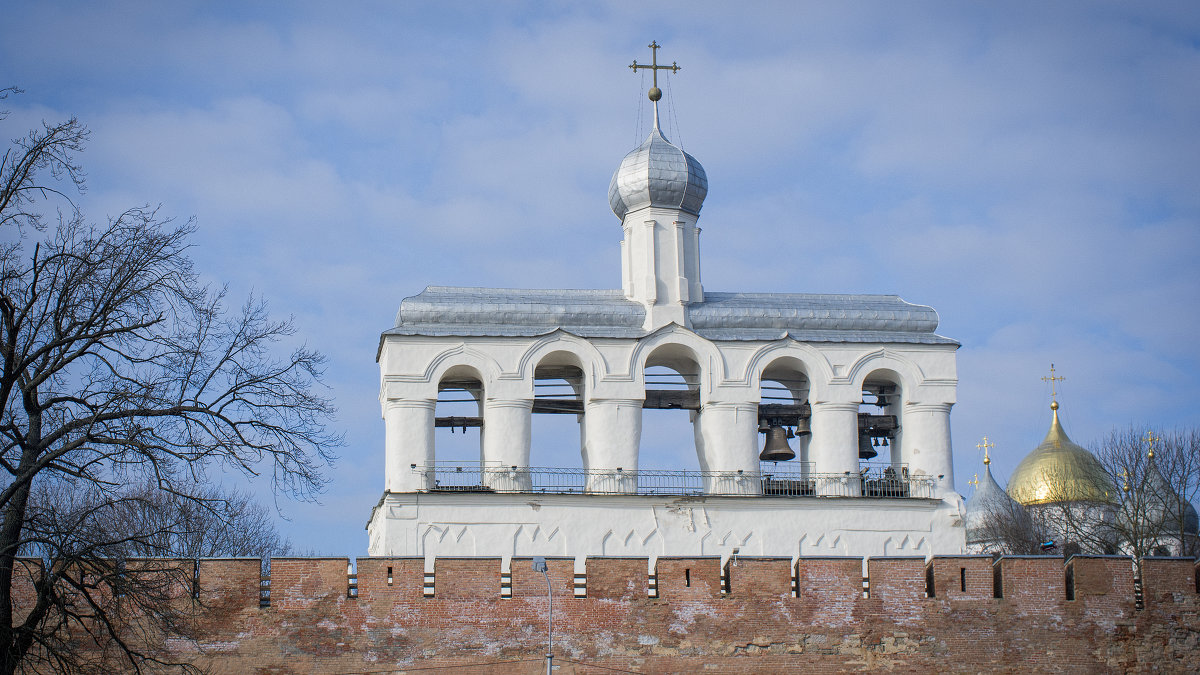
{"points": [[865, 451], [776, 449]]}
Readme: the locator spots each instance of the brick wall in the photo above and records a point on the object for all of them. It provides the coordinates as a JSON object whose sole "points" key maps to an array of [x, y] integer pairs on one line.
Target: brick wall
{"points": [[313, 626]]}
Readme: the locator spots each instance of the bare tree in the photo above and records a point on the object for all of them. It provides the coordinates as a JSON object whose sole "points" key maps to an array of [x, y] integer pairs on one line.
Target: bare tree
{"points": [[119, 368], [1008, 529], [199, 521], [1155, 514]]}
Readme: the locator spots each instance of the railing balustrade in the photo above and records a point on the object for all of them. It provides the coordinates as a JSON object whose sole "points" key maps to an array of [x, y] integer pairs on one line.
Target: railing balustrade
{"points": [[871, 481]]}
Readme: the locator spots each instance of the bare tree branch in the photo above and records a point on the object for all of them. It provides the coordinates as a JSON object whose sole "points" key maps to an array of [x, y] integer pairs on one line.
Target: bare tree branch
{"points": [[123, 383]]}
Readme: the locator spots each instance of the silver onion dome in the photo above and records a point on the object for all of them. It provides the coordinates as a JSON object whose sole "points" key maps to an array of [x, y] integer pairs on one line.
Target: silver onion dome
{"points": [[657, 173], [989, 511]]}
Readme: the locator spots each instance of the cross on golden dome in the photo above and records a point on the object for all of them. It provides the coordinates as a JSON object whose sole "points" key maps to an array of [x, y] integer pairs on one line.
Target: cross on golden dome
{"points": [[1053, 388], [985, 446]]}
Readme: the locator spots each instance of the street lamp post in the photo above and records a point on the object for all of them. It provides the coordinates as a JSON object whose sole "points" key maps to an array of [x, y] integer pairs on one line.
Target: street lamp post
{"points": [[539, 565]]}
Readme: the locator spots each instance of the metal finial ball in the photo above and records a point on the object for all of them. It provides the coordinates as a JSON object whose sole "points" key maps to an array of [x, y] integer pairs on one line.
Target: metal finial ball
{"points": [[1054, 405], [655, 93]]}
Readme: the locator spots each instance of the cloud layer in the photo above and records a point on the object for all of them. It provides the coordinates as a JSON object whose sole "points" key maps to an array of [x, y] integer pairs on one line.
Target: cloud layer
{"points": [[1028, 170]]}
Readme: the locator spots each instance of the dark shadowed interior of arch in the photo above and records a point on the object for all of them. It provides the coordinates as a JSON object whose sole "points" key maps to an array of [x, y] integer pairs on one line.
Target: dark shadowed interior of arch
{"points": [[668, 436], [783, 387], [555, 439], [879, 420], [459, 398]]}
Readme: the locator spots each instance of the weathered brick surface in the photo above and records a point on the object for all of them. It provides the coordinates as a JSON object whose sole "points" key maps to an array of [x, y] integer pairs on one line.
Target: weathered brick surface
{"points": [[407, 579], [950, 573], [1033, 584], [760, 578], [470, 578], [529, 584], [300, 583], [757, 628], [1169, 581], [688, 578], [229, 584], [617, 578]]}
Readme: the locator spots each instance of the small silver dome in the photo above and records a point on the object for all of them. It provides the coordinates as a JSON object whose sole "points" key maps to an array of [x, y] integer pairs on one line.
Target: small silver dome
{"points": [[658, 174], [989, 509]]}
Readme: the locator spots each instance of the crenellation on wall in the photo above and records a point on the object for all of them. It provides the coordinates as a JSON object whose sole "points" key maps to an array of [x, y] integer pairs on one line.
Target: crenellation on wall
{"points": [[1169, 581], [756, 627], [475, 578], [688, 578], [623, 579], [1102, 583], [301, 583], [829, 580], [376, 585], [1032, 584], [967, 577], [759, 578], [526, 583], [229, 584], [896, 579]]}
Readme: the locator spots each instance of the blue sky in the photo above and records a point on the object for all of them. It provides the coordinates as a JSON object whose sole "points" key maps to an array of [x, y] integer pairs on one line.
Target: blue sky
{"points": [[1028, 169]]}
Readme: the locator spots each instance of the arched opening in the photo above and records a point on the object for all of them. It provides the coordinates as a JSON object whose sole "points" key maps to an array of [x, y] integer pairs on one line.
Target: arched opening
{"points": [[784, 426], [458, 418], [558, 396], [882, 462], [672, 384], [784, 413]]}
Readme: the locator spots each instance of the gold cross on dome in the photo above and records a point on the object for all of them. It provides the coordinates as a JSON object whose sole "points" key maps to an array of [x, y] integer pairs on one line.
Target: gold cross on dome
{"points": [[974, 482], [1053, 382], [1151, 439], [655, 92], [985, 446], [1125, 476]]}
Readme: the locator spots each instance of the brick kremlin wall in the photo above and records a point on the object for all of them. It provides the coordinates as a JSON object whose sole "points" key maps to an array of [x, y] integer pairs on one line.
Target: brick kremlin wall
{"points": [[759, 615]]}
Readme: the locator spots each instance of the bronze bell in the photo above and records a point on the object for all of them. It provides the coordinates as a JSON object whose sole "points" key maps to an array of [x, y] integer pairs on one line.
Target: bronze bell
{"points": [[865, 451], [803, 427], [776, 449]]}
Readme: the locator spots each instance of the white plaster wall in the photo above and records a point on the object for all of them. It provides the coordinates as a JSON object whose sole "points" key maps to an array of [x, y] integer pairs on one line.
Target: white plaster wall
{"points": [[726, 440], [506, 525]]}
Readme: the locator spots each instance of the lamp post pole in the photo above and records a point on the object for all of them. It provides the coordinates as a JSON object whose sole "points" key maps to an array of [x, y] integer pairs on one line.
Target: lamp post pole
{"points": [[539, 565]]}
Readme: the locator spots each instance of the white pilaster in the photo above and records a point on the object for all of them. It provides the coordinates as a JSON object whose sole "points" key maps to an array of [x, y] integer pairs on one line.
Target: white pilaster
{"points": [[506, 439], [834, 444], [727, 441], [612, 432], [408, 425], [927, 446]]}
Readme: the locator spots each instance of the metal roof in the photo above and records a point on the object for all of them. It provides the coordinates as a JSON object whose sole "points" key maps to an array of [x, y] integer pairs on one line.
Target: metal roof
{"points": [[504, 312]]}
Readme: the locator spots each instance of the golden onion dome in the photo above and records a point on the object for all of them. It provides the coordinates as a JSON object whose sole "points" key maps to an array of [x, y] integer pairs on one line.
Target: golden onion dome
{"points": [[1060, 471]]}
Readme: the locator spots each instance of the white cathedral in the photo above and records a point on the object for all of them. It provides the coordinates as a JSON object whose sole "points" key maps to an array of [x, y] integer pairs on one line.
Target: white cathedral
{"points": [[861, 385]]}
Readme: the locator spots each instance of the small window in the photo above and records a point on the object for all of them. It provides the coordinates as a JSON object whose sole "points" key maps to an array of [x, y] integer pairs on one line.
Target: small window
{"points": [[962, 579], [687, 577]]}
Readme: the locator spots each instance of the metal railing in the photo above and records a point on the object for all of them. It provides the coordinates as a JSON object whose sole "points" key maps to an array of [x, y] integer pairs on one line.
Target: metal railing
{"points": [[875, 481]]}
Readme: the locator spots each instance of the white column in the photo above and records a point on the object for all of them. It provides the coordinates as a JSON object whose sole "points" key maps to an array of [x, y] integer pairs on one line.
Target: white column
{"points": [[680, 280], [927, 446], [408, 440], [696, 292], [834, 447], [613, 431], [507, 432], [727, 441]]}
